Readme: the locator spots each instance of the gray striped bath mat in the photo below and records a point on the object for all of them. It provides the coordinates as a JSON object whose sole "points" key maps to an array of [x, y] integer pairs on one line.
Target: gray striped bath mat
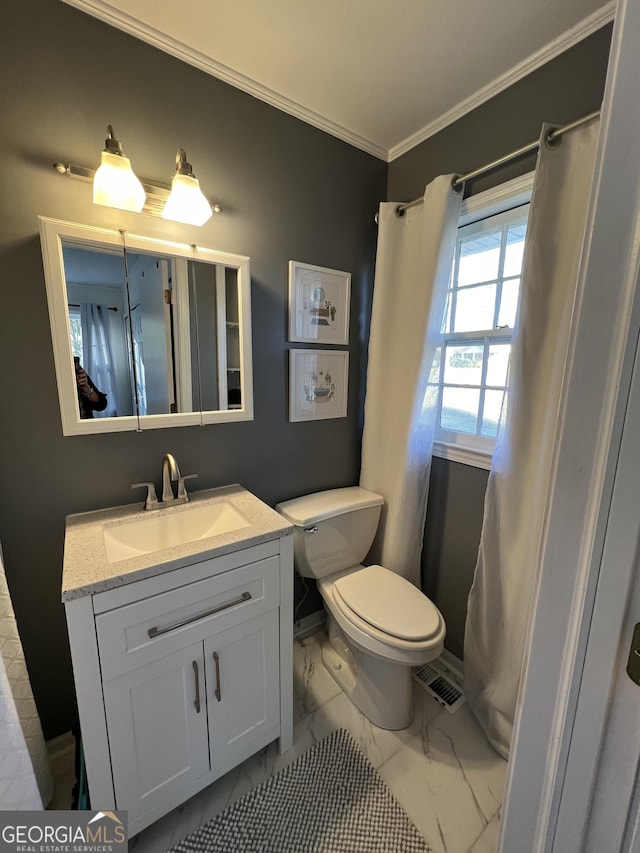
{"points": [[330, 800]]}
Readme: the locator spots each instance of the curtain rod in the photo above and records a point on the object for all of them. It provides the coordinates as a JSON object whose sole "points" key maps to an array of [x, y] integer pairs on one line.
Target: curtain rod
{"points": [[553, 136], [78, 305]]}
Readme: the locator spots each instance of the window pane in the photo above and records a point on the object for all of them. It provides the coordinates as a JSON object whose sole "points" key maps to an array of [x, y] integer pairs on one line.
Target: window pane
{"points": [[460, 409], [479, 257], [509, 303], [475, 307], [491, 413], [498, 363], [75, 325], [463, 364], [514, 249]]}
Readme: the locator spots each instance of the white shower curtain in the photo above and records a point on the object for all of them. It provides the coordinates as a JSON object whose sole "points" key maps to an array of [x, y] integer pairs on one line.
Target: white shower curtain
{"points": [[413, 266], [25, 775], [517, 492]]}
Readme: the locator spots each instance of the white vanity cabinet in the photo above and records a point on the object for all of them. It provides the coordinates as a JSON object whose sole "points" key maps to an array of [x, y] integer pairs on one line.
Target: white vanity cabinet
{"points": [[182, 676]]}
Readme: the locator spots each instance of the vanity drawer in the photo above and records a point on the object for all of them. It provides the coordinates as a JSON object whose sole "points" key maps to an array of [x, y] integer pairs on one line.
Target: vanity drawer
{"points": [[139, 633]]}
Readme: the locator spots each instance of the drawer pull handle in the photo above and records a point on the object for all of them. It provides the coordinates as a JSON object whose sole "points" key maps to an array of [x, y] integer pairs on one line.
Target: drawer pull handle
{"points": [[216, 660], [155, 632], [197, 675]]}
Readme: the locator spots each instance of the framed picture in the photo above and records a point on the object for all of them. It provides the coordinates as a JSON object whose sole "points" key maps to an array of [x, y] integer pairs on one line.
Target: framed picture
{"points": [[318, 382], [319, 301]]}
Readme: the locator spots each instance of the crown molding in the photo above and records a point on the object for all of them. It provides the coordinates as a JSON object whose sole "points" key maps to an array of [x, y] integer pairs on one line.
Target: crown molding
{"points": [[121, 21], [550, 51]]}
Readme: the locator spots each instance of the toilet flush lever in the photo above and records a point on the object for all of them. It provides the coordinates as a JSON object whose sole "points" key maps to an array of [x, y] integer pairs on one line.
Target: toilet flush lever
{"points": [[313, 529]]}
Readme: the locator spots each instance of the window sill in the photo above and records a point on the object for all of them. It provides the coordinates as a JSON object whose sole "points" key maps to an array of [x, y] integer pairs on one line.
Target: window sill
{"points": [[465, 455]]}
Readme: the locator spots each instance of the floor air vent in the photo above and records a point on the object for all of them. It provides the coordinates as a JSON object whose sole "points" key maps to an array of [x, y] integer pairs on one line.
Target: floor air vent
{"points": [[441, 684]]}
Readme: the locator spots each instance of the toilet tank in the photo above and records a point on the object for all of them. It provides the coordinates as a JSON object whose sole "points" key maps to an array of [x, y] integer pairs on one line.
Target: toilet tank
{"points": [[333, 530]]}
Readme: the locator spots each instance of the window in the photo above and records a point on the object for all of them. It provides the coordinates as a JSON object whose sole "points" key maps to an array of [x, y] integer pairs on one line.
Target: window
{"points": [[75, 325], [470, 370]]}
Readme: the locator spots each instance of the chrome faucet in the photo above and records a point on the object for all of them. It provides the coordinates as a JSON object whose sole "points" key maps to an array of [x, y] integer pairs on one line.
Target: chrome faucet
{"points": [[170, 474]]}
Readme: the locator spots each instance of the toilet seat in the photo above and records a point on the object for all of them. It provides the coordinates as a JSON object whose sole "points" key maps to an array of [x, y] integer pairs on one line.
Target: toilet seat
{"points": [[389, 602], [373, 639]]}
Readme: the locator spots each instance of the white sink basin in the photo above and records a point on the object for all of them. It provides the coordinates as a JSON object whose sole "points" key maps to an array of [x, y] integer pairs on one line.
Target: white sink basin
{"points": [[166, 529]]}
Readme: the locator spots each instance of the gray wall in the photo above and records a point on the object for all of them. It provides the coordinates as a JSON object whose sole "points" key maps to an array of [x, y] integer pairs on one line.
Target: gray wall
{"points": [[288, 191], [564, 89]]}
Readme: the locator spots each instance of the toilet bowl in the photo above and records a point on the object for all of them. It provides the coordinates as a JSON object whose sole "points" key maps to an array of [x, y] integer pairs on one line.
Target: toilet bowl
{"points": [[384, 614], [380, 625]]}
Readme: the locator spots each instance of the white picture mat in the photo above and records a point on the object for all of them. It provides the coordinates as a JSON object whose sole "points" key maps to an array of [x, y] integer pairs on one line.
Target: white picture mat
{"points": [[318, 382], [319, 300]]}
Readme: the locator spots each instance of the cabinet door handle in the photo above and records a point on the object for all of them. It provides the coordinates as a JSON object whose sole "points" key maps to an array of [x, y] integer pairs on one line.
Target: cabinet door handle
{"points": [[216, 661], [155, 631], [197, 675]]}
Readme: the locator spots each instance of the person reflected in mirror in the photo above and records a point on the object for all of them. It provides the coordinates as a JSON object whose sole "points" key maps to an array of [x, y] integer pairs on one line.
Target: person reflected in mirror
{"points": [[90, 400]]}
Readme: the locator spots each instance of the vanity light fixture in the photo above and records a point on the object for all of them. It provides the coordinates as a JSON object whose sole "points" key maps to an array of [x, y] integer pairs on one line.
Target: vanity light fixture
{"points": [[186, 202], [115, 184]]}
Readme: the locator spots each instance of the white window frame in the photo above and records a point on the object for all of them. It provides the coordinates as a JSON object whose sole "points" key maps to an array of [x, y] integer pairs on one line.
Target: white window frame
{"points": [[457, 447]]}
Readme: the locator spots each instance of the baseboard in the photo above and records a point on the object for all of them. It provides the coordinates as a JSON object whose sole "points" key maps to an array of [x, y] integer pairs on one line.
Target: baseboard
{"points": [[309, 624]]}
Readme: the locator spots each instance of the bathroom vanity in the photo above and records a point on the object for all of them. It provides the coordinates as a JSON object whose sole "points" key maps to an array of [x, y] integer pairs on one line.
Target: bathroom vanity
{"points": [[180, 624]]}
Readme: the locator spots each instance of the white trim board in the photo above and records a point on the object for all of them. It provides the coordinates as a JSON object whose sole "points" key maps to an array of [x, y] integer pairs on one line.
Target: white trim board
{"points": [[103, 11], [307, 625], [463, 455], [548, 796]]}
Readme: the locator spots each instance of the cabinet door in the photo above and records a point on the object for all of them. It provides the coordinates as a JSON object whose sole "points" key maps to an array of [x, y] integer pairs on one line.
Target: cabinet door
{"points": [[157, 720], [243, 690]]}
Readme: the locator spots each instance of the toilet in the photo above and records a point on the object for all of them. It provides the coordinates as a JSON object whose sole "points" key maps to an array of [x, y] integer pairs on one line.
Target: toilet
{"points": [[379, 624]]}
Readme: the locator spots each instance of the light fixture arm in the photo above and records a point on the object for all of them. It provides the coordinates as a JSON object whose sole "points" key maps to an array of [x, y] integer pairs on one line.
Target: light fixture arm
{"points": [[183, 167], [111, 144]]}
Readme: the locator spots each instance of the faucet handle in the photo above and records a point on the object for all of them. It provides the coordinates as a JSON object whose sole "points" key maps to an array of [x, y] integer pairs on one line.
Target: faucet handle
{"points": [[152, 499], [182, 491]]}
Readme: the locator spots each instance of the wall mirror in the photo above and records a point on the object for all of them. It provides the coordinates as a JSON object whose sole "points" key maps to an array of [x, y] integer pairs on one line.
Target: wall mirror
{"points": [[146, 333]]}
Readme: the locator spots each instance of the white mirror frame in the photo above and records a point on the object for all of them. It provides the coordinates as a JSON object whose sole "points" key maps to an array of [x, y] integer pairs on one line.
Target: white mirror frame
{"points": [[53, 234]]}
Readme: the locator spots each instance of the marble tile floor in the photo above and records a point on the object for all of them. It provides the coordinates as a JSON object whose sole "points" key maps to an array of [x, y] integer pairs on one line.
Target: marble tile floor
{"points": [[441, 769]]}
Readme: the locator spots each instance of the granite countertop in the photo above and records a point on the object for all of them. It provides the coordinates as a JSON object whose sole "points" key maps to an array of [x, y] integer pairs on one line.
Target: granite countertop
{"points": [[87, 570]]}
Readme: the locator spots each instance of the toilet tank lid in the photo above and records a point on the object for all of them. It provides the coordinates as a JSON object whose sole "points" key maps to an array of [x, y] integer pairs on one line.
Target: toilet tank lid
{"points": [[311, 509]]}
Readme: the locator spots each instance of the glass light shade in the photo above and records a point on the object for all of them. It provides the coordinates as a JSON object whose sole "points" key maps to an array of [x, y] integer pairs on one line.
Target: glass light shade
{"points": [[115, 184], [186, 203]]}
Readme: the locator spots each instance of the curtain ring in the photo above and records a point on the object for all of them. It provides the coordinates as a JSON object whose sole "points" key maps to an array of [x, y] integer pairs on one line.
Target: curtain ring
{"points": [[552, 138]]}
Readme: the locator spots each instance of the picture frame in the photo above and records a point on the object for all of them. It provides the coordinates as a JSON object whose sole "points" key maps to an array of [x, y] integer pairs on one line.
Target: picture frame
{"points": [[318, 384], [319, 301]]}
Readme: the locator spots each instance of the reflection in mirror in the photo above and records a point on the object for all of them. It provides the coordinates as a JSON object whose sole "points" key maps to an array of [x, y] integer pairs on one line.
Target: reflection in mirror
{"points": [[214, 293], [154, 284], [154, 334], [96, 301]]}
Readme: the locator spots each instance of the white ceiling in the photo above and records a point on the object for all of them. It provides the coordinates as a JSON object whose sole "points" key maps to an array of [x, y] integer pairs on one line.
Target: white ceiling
{"points": [[381, 74]]}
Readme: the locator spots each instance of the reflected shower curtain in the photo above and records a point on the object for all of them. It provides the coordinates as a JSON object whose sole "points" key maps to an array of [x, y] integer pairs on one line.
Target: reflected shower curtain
{"points": [[413, 266], [504, 585], [97, 352], [25, 775]]}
